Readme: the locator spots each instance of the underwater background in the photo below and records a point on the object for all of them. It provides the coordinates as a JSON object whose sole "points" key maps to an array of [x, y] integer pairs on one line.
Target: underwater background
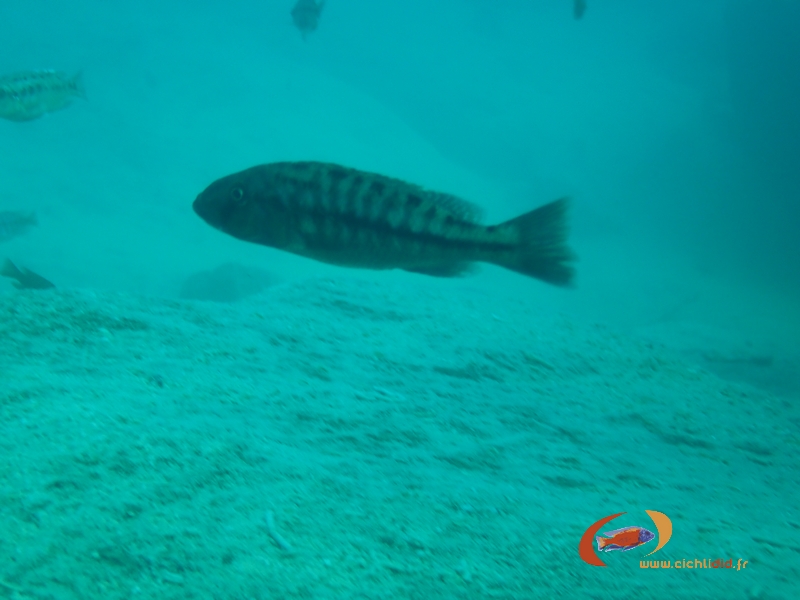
{"points": [[190, 416]]}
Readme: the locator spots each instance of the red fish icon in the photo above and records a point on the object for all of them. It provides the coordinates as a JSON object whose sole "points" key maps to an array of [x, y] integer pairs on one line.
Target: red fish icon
{"points": [[624, 539]]}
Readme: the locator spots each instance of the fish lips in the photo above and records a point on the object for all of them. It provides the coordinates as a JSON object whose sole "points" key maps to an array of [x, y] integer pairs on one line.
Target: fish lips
{"points": [[210, 210], [204, 209]]}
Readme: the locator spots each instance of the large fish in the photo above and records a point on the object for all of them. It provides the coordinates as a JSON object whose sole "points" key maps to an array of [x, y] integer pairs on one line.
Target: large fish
{"points": [[305, 15], [352, 218], [27, 96]]}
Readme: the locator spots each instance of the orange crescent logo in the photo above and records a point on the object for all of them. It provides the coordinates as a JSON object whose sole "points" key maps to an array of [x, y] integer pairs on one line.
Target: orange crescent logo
{"points": [[664, 528], [586, 545]]}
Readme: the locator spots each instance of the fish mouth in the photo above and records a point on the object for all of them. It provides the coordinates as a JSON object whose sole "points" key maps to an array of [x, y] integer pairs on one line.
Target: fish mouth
{"points": [[213, 212], [200, 203], [205, 210]]}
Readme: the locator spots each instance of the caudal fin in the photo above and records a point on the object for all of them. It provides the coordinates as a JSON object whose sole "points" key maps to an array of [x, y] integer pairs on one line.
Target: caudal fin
{"points": [[10, 270], [78, 87], [543, 252]]}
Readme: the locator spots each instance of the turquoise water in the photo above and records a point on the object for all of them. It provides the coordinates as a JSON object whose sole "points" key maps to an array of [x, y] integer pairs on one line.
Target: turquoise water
{"points": [[190, 416]]}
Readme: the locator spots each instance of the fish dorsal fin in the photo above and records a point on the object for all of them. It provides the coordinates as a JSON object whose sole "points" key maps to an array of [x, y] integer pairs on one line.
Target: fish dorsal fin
{"points": [[461, 209], [621, 530]]}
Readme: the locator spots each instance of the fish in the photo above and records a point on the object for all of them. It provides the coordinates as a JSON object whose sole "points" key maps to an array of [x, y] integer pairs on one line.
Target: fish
{"points": [[578, 8], [624, 539], [229, 282], [25, 278], [14, 223], [347, 217], [28, 96], [305, 15]]}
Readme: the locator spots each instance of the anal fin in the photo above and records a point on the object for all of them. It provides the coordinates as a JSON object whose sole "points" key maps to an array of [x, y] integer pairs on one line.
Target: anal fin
{"points": [[449, 270]]}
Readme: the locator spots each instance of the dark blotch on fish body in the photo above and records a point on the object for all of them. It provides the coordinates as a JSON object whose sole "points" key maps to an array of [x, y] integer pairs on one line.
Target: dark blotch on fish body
{"points": [[305, 15], [578, 8], [352, 218], [25, 279], [15, 223]]}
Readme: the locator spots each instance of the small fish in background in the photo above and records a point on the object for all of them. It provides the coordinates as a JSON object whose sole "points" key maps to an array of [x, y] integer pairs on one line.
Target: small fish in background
{"points": [[578, 8], [229, 282], [624, 539], [25, 278], [352, 218], [14, 223], [305, 15], [28, 96]]}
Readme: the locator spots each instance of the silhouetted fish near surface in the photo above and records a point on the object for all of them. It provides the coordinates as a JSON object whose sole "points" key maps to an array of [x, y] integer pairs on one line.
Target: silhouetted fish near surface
{"points": [[578, 8], [27, 96], [13, 224], [351, 218], [25, 278], [305, 15]]}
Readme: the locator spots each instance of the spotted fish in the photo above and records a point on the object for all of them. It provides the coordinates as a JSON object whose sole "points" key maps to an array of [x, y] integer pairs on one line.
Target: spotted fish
{"points": [[305, 15], [27, 96], [352, 218]]}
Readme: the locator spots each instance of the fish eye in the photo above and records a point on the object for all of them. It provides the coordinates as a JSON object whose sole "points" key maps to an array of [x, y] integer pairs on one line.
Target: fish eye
{"points": [[237, 194]]}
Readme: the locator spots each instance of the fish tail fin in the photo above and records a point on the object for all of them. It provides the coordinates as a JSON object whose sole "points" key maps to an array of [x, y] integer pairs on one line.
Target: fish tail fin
{"points": [[542, 252], [601, 542], [10, 270], [78, 87], [578, 8]]}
